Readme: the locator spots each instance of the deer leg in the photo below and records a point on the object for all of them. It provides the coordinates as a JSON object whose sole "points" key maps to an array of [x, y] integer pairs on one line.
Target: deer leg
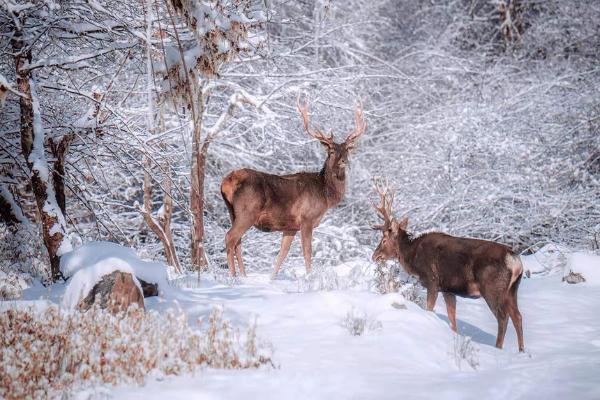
{"points": [[515, 316], [238, 256], [232, 239], [306, 238], [502, 318], [286, 242], [230, 248], [450, 301], [431, 298]]}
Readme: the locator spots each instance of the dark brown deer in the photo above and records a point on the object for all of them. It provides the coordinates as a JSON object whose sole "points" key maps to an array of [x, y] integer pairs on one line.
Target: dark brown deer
{"points": [[287, 203], [455, 266]]}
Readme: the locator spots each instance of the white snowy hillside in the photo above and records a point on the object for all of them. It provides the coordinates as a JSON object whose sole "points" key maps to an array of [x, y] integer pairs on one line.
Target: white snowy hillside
{"points": [[192, 194], [332, 334], [356, 343]]}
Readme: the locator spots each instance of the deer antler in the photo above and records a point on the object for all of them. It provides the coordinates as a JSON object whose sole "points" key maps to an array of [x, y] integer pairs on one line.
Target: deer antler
{"points": [[315, 133], [386, 198], [360, 126]]}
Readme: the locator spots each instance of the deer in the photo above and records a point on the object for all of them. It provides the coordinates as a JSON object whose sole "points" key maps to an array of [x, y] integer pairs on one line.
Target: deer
{"points": [[454, 266], [288, 203]]}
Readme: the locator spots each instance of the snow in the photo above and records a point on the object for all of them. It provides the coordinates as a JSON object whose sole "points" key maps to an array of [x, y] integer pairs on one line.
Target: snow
{"points": [[6, 87], [548, 259], [404, 351], [39, 166], [411, 354], [86, 265], [587, 265], [10, 200], [37, 157]]}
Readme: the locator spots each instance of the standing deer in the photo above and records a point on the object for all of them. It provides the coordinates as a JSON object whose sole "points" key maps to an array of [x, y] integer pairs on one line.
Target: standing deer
{"points": [[287, 203], [455, 266]]}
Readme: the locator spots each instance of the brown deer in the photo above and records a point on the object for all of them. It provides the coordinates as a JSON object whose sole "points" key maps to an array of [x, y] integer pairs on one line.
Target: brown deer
{"points": [[287, 203], [455, 266]]}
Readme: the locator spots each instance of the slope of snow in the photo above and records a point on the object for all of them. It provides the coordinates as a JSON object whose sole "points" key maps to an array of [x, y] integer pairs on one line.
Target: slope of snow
{"points": [[408, 353], [414, 354]]}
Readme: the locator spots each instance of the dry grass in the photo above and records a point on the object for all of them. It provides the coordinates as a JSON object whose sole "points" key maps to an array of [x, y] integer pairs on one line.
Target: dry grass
{"points": [[464, 351], [358, 322], [44, 353]]}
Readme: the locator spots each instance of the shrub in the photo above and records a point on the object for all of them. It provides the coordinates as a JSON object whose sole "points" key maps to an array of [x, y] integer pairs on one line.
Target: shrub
{"points": [[463, 350], [358, 322], [53, 351], [388, 278], [392, 278]]}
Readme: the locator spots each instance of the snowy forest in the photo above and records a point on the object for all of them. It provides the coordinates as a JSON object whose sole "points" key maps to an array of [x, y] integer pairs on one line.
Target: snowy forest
{"points": [[120, 121]]}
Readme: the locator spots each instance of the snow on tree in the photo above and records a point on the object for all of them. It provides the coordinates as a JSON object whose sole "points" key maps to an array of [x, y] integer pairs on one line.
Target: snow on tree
{"points": [[480, 135]]}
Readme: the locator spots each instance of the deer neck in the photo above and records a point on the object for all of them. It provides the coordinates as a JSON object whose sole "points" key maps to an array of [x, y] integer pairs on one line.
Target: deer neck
{"points": [[406, 253], [334, 186]]}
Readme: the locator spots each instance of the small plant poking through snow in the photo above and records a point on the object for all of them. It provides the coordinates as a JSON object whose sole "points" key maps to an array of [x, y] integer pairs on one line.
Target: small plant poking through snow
{"points": [[359, 322], [464, 351], [320, 278], [388, 278], [46, 352], [413, 291]]}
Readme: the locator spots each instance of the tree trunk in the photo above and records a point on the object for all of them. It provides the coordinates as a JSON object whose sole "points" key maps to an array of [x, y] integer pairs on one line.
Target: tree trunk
{"points": [[161, 226], [197, 189], [60, 151], [32, 145]]}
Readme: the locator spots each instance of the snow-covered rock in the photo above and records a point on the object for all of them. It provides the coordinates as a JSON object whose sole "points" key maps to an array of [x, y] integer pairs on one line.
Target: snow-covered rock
{"points": [[586, 265], [115, 292], [86, 265]]}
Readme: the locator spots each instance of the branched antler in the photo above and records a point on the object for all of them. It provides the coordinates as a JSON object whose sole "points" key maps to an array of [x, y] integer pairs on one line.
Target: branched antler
{"points": [[360, 125], [386, 197], [315, 132]]}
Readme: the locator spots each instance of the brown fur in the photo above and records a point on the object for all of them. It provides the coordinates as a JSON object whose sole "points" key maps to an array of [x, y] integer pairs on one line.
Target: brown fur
{"points": [[458, 266]]}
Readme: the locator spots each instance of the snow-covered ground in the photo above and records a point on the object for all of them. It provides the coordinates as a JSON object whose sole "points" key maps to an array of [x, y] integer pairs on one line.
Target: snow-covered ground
{"points": [[407, 352], [404, 350]]}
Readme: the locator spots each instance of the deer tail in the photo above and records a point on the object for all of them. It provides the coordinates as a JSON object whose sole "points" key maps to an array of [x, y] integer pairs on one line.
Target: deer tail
{"points": [[515, 266], [229, 186]]}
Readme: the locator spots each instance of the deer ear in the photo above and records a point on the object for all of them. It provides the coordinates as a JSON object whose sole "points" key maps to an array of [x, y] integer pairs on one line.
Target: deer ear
{"points": [[403, 224], [378, 227], [350, 146], [327, 141], [328, 145]]}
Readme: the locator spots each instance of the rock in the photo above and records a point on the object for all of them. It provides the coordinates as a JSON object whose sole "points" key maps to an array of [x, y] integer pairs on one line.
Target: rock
{"points": [[149, 289], [115, 292], [573, 277]]}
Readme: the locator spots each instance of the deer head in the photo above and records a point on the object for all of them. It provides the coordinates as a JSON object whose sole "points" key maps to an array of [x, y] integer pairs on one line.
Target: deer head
{"points": [[388, 246], [337, 153]]}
